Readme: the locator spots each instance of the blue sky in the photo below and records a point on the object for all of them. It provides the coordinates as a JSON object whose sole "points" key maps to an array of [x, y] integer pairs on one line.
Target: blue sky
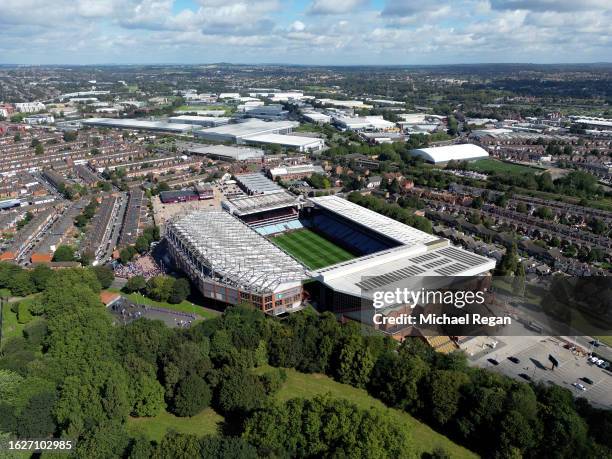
{"points": [[305, 31]]}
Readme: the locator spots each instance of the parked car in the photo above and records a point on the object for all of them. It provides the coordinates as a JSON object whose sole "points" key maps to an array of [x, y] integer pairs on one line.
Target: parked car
{"points": [[579, 386], [493, 361], [514, 359], [587, 380], [525, 376]]}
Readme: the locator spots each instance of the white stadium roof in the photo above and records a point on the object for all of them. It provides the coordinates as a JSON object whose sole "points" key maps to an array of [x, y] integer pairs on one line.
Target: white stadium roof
{"points": [[460, 152], [403, 234], [236, 253], [420, 253]]}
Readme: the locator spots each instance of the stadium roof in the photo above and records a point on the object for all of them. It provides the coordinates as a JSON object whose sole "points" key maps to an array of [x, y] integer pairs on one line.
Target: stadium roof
{"points": [[396, 265], [460, 152], [246, 205], [420, 253], [374, 221], [235, 253], [258, 183]]}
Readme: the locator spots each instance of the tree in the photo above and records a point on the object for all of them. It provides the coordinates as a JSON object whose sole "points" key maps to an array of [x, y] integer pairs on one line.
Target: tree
{"points": [[147, 396], [227, 448], [142, 244], [191, 396], [180, 291], [521, 207], [443, 392], [544, 212], [355, 362], [105, 275], [325, 427], [159, 288], [40, 275], [135, 284], [127, 254], [509, 262], [240, 392], [70, 136], [36, 419], [39, 149], [178, 446], [64, 253], [21, 284]]}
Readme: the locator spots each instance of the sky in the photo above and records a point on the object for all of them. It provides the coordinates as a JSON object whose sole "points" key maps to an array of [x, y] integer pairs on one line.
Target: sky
{"points": [[311, 32]]}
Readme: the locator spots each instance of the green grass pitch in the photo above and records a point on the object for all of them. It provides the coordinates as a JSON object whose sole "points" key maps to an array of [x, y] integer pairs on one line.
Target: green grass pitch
{"points": [[311, 249]]}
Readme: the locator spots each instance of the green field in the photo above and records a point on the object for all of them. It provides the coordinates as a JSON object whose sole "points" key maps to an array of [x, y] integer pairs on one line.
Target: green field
{"points": [[311, 249], [425, 439], [204, 423], [490, 166]]}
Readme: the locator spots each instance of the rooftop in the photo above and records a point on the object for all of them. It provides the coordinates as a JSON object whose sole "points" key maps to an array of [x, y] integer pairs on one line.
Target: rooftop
{"points": [[250, 127], [253, 204], [381, 224], [258, 183], [449, 152], [291, 140], [125, 123]]}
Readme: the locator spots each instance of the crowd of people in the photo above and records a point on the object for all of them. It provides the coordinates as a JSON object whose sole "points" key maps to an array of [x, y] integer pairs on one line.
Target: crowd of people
{"points": [[144, 266]]}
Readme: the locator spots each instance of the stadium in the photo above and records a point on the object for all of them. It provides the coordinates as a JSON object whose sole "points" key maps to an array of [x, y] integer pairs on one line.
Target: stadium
{"points": [[278, 241]]}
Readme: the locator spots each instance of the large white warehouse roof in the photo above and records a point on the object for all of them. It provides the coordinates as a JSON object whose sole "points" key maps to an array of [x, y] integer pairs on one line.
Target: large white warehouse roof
{"points": [[461, 152]]}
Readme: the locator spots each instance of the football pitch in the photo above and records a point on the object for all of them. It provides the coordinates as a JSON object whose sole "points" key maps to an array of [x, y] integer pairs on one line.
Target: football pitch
{"points": [[311, 249]]}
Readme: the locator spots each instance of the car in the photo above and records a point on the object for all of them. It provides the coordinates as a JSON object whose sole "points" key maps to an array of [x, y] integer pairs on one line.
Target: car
{"points": [[595, 343], [493, 361], [579, 386], [604, 365], [587, 380], [593, 359], [600, 362], [514, 359], [525, 376]]}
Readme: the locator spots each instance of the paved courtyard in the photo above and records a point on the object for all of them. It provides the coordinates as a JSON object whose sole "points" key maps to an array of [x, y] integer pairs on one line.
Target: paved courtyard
{"points": [[533, 352]]}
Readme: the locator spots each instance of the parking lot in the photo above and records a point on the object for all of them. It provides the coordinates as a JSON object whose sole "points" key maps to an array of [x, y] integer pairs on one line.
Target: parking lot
{"points": [[533, 353]]}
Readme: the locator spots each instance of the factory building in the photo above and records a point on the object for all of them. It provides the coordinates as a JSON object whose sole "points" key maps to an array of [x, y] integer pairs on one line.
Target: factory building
{"points": [[238, 132], [227, 153], [204, 121], [363, 123], [295, 142], [137, 124], [299, 171]]}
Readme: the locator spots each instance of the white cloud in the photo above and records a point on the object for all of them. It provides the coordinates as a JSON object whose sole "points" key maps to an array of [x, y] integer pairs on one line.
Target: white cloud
{"points": [[336, 6]]}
